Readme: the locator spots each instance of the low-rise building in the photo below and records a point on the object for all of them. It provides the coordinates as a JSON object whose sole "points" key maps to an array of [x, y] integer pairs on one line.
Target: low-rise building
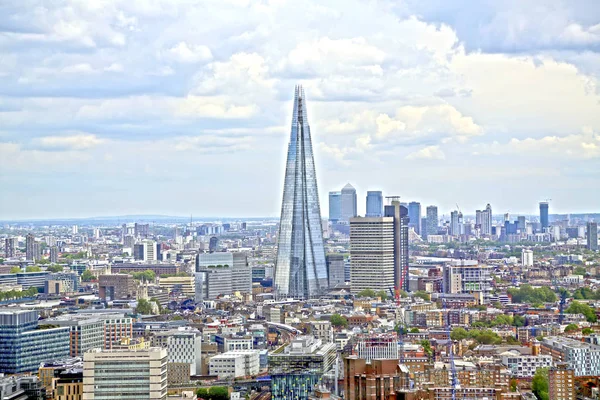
{"points": [[234, 364]]}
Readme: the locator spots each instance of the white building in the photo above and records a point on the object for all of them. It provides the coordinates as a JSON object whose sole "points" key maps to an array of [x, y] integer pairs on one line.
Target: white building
{"points": [[322, 330], [584, 358], [527, 258], [524, 366], [233, 344], [125, 374], [234, 364], [183, 346], [466, 276], [222, 273]]}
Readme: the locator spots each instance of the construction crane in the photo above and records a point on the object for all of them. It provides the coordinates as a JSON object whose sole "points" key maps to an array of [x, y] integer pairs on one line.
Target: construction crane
{"points": [[563, 300], [455, 384]]}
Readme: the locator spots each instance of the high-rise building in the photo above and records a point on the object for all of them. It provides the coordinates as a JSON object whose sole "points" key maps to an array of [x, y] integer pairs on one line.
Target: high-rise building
{"points": [[401, 222], [456, 223], [544, 215], [219, 274], [592, 236], [335, 206], [414, 213], [300, 267], [141, 230], [23, 346], [561, 382], [125, 374], [54, 254], [183, 347], [213, 244], [374, 204], [335, 269], [521, 223], [349, 205], [85, 332], [9, 247], [30, 248], [483, 220], [527, 258], [372, 264], [584, 358], [432, 220]]}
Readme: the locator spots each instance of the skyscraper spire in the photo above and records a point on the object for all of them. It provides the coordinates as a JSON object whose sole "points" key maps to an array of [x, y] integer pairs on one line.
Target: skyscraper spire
{"points": [[300, 269]]}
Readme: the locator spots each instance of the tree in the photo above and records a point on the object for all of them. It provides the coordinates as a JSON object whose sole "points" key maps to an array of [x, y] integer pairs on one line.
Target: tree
{"points": [[459, 334], [518, 320], [415, 330], [512, 340], [581, 308], [1, 260], [587, 331], [143, 307], [366, 293], [338, 320], [539, 384], [87, 276], [382, 295], [55, 268], [527, 294], [43, 261], [579, 271], [502, 320], [571, 328], [423, 295], [15, 270], [426, 347], [213, 393], [145, 276], [33, 268]]}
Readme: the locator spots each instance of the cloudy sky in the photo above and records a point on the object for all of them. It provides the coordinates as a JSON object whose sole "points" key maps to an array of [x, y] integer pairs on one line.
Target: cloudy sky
{"points": [[178, 107]]}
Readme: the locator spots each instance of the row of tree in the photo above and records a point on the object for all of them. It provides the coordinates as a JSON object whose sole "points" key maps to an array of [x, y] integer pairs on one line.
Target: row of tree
{"points": [[18, 294]]}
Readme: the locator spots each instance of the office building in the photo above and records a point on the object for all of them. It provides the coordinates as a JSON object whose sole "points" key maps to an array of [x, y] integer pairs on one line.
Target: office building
{"points": [[300, 267], [335, 206], [125, 374], [401, 222], [9, 247], [335, 269], [53, 254], [235, 364], [374, 204], [483, 220], [544, 223], [527, 258], [85, 332], [414, 214], [23, 346], [583, 358], [456, 223], [522, 224], [376, 346], [22, 387], [349, 206], [372, 264], [297, 369], [32, 279], [31, 252], [592, 236], [116, 287], [146, 251], [183, 285], [158, 269], [374, 380], [213, 244], [116, 328], [141, 230], [466, 276], [61, 283], [524, 366], [432, 220], [561, 382], [222, 274], [183, 347]]}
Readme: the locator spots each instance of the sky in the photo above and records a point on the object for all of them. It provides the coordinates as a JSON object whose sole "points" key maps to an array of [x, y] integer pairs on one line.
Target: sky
{"points": [[184, 107]]}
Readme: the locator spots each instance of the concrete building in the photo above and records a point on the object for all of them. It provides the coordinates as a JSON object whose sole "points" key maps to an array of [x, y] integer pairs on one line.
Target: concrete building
{"points": [[9, 247], [466, 276], [527, 258], [145, 251], [183, 347], [85, 332], [53, 254], [125, 374], [335, 269], [376, 346], [561, 382], [297, 369], [183, 284], [31, 253], [116, 287], [592, 236], [223, 274], [378, 379], [371, 253], [432, 220], [32, 279], [21, 387], [524, 366], [235, 364], [583, 358], [23, 346], [322, 330]]}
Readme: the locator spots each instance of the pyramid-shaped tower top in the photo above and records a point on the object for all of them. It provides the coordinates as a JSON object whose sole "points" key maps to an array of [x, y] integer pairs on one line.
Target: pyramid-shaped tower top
{"points": [[348, 187]]}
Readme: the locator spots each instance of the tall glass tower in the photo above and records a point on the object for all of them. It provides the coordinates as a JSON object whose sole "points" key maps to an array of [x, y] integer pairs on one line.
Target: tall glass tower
{"points": [[300, 269], [544, 215], [374, 204]]}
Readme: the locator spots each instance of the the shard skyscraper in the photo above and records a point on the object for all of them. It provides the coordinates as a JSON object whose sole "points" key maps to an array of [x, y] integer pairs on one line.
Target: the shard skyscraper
{"points": [[300, 269]]}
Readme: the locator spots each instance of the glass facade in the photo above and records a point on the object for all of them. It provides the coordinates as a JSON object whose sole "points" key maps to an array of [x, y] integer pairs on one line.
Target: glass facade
{"points": [[300, 269], [374, 204], [335, 206]]}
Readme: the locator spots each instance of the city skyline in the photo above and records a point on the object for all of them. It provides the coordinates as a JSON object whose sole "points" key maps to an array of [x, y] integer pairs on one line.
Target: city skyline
{"points": [[108, 109]]}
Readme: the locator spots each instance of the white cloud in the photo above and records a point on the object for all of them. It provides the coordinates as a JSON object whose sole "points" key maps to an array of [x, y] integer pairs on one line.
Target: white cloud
{"points": [[80, 141], [189, 53], [427, 153]]}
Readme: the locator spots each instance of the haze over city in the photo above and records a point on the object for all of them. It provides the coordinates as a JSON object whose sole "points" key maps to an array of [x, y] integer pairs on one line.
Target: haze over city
{"points": [[178, 108]]}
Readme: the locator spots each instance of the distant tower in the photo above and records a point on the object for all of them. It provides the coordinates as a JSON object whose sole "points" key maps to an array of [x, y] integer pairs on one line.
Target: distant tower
{"points": [[401, 222], [335, 206], [300, 267], [592, 236], [544, 215], [348, 202], [213, 244], [9, 247], [30, 248], [432, 220], [374, 204], [414, 213]]}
